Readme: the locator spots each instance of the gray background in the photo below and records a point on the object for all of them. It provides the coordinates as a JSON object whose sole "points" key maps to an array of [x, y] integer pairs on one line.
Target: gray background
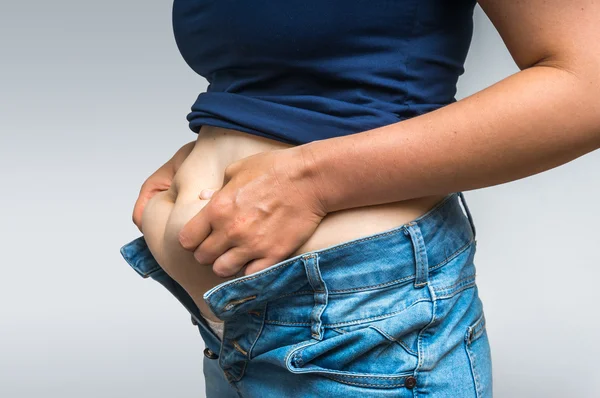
{"points": [[93, 98]]}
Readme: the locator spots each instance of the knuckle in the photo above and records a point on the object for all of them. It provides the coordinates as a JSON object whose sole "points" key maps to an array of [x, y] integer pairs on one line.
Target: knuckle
{"points": [[220, 205], [234, 232], [229, 170], [204, 256]]}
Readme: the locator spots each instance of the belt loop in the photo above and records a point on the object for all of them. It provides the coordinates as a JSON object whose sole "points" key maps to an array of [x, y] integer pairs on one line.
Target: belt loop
{"points": [[464, 203], [422, 264], [313, 274]]}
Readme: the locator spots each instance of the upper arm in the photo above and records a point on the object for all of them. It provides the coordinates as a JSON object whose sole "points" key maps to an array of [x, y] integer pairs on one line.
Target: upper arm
{"points": [[562, 33]]}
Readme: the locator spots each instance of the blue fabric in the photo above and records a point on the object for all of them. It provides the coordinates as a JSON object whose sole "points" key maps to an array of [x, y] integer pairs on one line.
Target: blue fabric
{"points": [[391, 314], [303, 70]]}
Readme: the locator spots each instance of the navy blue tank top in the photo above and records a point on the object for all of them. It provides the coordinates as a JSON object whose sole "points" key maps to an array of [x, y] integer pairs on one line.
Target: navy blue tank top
{"points": [[303, 70]]}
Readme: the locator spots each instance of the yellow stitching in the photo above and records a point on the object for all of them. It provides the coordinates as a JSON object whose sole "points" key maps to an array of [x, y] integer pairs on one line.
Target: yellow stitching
{"points": [[240, 301], [239, 348]]}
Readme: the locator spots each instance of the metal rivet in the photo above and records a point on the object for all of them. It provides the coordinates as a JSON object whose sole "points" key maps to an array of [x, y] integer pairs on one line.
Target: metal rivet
{"points": [[410, 382], [210, 354]]}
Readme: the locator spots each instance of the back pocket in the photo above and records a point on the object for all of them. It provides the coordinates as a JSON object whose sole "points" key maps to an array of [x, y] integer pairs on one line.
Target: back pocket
{"points": [[478, 349]]}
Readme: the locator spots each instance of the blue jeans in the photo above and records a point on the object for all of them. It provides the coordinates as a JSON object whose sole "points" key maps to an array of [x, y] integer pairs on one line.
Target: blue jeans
{"points": [[392, 314]]}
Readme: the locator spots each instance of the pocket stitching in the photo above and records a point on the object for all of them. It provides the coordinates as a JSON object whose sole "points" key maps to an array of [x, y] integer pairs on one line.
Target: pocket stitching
{"points": [[400, 342], [293, 355], [474, 332]]}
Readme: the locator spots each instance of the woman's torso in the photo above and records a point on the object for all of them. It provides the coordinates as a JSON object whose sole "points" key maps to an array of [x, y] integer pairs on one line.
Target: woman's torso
{"points": [[168, 211]]}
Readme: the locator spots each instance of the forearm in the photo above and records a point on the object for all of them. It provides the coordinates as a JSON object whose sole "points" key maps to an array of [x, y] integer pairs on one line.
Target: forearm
{"points": [[532, 121]]}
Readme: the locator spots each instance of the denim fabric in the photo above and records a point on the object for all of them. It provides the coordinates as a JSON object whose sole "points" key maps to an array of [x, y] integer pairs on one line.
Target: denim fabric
{"points": [[392, 314]]}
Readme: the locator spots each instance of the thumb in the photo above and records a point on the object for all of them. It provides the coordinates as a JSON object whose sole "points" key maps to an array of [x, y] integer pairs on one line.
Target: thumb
{"points": [[207, 193]]}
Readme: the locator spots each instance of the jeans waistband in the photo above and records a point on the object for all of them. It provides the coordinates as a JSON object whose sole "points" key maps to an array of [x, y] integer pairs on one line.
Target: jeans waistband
{"points": [[404, 253]]}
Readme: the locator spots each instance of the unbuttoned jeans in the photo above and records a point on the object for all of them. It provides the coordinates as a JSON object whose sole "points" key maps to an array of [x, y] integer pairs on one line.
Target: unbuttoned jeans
{"points": [[392, 314]]}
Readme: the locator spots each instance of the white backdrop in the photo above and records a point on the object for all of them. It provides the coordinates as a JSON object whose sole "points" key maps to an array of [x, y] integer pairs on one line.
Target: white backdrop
{"points": [[93, 98]]}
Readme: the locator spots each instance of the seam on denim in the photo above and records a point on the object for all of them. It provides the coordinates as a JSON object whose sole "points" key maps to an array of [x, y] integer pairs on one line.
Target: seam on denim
{"points": [[476, 329], [385, 284], [353, 322], [356, 375], [371, 287], [420, 349], [260, 330], [297, 358], [275, 322], [466, 287], [363, 384], [406, 278], [459, 282], [378, 317], [399, 341], [466, 284], [298, 293], [294, 354], [392, 231], [395, 230], [222, 344], [241, 372], [474, 374], [452, 256], [124, 250], [373, 318], [317, 311]]}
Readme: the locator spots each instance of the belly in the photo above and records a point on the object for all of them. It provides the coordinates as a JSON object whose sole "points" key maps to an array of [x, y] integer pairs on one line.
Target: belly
{"points": [[168, 211]]}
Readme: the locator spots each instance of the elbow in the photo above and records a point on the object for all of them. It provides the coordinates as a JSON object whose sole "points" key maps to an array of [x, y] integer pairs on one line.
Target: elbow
{"points": [[584, 75]]}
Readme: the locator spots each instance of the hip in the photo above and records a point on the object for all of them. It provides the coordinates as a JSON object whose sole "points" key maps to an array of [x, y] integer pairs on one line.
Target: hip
{"points": [[395, 313]]}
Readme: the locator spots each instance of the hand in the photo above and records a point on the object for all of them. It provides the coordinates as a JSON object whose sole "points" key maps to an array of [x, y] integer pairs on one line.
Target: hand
{"points": [[265, 210], [159, 181]]}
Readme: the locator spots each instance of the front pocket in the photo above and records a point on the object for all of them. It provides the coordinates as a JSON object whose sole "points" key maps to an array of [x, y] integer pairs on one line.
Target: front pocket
{"points": [[380, 354], [478, 350]]}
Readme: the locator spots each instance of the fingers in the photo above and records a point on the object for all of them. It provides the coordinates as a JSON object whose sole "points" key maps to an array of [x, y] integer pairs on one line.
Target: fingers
{"points": [[231, 262], [138, 210], [257, 265], [146, 193], [211, 248], [159, 181], [195, 231]]}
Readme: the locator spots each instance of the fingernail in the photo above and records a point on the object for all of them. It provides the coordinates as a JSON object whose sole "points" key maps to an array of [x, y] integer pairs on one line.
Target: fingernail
{"points": [[206, 193], [183, 240]]}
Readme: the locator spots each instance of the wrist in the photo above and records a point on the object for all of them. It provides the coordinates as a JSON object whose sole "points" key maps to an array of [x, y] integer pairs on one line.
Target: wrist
{"points": [[312, 173]]}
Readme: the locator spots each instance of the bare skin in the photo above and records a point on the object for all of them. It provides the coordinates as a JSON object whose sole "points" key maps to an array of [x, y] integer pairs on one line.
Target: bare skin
{"points": [[167, 211], [539, 118]]}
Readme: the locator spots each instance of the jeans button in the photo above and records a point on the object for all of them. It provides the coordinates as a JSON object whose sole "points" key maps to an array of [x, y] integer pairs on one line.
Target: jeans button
{"points": [[410, 382], [208, 353]]}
